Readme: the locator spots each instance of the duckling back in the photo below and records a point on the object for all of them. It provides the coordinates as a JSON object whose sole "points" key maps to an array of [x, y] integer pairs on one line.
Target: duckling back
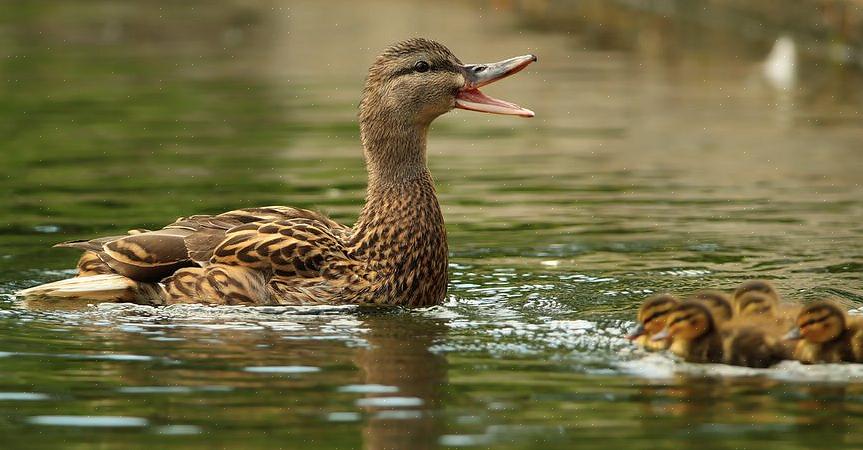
{"points": [[751, 346]]}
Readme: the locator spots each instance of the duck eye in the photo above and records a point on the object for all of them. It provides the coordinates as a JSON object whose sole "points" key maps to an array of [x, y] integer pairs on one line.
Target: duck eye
{"points": [[421, 66]]}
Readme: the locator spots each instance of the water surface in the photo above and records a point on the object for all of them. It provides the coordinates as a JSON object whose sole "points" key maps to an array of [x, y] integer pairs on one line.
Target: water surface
{"points": [[661, 159]]}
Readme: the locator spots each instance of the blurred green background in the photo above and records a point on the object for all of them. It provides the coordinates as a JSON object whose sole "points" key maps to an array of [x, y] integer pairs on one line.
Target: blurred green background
{"points": [[677, 145]]}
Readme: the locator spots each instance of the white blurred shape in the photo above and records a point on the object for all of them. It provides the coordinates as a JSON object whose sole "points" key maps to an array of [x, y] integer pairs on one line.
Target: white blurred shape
{"points": [[780, 67]]}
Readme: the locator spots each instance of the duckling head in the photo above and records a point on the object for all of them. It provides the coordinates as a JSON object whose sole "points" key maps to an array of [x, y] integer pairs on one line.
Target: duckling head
{"points": [[718, 303], [687, 321], [755, 303], [818, 323], [762, 286], [652, 315]]}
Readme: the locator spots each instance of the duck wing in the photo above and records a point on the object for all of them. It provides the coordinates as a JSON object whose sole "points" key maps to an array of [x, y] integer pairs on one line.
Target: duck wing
{"points": [[300, 260], [149, 256], [210, 231]]}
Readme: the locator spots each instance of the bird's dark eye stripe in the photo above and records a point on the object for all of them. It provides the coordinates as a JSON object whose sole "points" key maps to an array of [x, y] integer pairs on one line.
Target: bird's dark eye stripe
{"points": [[403, 71], [433, 67], [655, 315], [746, 303], [681, 319], [813, 321]]}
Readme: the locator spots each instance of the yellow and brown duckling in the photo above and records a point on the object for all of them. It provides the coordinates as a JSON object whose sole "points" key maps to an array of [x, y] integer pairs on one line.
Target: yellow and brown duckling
{"points": [[396, 253], [696, 337], [651, 321], [757, 300], [754, 304], [760, 286], [717, 302], [825, 334]]}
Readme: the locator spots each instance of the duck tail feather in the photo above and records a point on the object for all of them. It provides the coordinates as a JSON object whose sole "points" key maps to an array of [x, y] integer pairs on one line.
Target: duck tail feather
{"points": [[102, 288]]}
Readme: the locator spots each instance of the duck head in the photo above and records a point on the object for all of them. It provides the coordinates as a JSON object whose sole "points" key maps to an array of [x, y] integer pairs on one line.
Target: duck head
{"points": [[418, 79], [652, 315], [818, 323], [760, 286], [408, 86], [687, 321], [718, 303], [755, 303]]}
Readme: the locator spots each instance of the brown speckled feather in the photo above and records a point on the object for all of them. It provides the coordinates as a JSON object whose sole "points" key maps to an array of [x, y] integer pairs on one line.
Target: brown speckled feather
{"points": [[91, 264]]}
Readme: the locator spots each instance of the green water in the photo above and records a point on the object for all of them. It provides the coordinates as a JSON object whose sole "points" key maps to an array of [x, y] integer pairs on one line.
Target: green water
{"points": [[661, 159]]}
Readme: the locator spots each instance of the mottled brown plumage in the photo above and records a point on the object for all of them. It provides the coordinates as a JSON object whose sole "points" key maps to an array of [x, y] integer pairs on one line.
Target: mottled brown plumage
{"points": [[396, 253]]}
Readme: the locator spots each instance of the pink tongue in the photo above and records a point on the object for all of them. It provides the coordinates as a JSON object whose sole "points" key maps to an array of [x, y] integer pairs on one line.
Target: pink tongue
{"points": [[474, 100]]}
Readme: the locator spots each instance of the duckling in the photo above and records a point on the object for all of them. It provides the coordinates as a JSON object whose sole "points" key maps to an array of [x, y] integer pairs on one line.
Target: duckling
{"points": [[396, 253], [693, 333], [754, 303], [762, 286], [718, 303], [651, 320], [825, 334], [757, 306], [696, 337]]}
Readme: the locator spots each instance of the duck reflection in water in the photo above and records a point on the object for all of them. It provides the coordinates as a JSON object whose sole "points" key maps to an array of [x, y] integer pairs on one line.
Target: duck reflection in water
{"points": [[399, 355]]}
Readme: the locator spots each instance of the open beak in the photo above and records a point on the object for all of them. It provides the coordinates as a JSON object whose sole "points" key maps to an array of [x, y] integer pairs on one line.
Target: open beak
{"points": [[637, 332], [792, 335], [478, 75], [661, 336]]}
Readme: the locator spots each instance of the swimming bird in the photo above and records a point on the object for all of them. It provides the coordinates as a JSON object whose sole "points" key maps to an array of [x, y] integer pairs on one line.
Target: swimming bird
{"points": [[760, 286], [757, 300], [696, 337], [651, 320], [396, 253], [718, 303], [754, 303], [825, 334]]}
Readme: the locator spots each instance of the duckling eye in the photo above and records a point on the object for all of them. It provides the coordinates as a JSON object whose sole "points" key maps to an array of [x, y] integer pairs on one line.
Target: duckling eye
{"points": [[421, 66]]}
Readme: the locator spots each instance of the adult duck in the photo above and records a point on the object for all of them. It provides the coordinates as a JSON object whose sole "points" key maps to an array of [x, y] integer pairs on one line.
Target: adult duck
{"points": [[396, 253]]}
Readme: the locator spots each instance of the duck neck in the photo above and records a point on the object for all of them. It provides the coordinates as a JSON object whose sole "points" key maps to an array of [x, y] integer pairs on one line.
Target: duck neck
{"points": [[395, 152], [400, 232]]}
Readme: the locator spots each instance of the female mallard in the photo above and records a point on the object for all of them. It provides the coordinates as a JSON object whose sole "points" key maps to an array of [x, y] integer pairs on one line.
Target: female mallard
{"points": [[825, 334], [396, 253]]}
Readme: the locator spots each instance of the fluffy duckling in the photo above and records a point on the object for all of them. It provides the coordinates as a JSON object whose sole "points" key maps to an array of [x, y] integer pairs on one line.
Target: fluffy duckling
{"points": [[651, 320], [717, 302], [826, 334], [696, 337], [760, 286], [754, 303], [756, 306]]}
